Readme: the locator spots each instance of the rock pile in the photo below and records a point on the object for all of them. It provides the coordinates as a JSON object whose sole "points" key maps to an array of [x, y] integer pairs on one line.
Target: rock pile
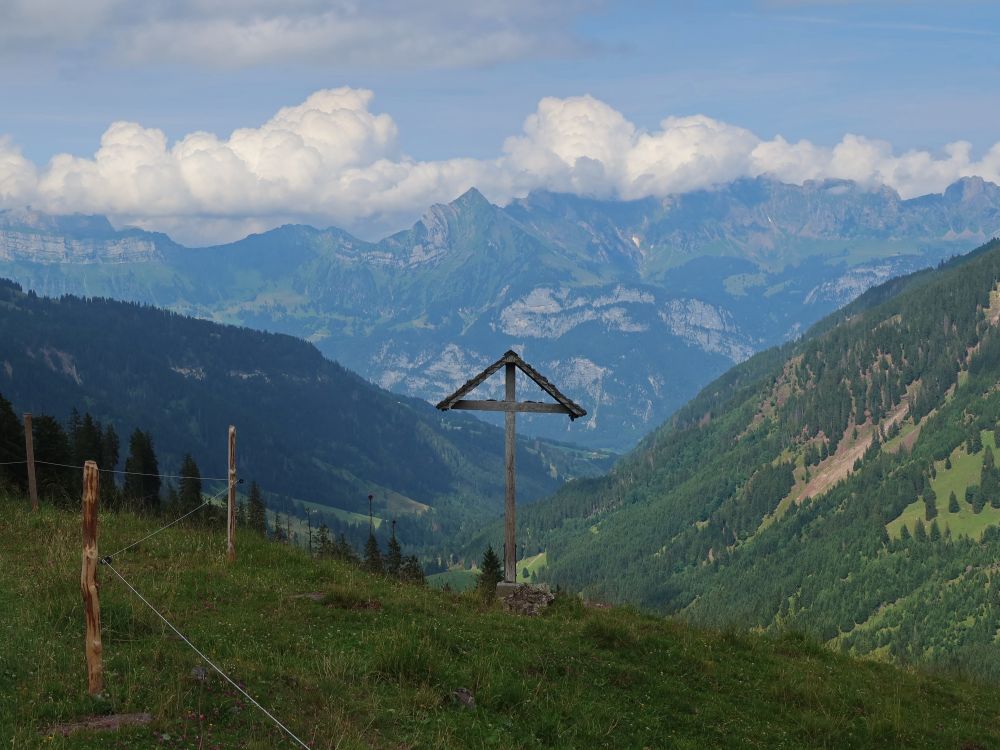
{"points": [[527, 600]]}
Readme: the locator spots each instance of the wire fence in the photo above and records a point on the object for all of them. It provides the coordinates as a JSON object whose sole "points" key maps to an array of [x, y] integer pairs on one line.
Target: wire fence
{"points": [[210, 500], [107, 561], [121, 472]]}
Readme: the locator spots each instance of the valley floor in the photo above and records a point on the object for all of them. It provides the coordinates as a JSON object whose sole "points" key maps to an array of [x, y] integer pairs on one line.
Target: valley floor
{"points": [[363, 662]]}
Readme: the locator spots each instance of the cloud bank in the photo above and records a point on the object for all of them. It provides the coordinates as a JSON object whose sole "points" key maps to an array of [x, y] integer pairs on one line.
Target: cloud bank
{"points": [[333, 160], [245, 33]]}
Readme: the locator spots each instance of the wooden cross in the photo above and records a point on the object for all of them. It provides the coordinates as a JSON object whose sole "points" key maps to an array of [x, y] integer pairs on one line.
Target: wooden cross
{"points": [[511, 362]]}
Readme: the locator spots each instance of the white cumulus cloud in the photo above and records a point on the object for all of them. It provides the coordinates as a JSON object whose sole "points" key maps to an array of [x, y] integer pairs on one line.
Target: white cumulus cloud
{"points": [[332, 159]]}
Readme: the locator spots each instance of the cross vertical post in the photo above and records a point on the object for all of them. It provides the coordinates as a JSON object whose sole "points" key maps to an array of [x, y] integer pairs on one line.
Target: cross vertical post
{"points": [[510, 477]]}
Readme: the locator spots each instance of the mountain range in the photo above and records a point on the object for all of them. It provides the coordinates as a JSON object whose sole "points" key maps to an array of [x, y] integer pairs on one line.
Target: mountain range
{"points": [[630, 307]]}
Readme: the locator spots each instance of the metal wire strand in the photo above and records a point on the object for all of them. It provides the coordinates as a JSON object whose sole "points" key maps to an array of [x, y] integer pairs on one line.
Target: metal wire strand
{"points": [[134, 473], [210, 500], [205, 658]]}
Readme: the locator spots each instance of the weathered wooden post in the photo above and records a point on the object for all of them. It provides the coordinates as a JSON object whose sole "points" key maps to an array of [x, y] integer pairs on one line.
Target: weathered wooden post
{"points": [[29, 451], [511, 362], [231, 524], [88, 579]]}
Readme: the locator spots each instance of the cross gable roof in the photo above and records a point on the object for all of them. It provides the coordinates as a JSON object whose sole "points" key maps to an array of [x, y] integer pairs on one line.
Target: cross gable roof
{"points": [[572, 409]]}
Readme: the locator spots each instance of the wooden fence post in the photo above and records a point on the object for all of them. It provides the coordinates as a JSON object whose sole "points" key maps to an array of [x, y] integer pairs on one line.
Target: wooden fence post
{"points": [[231, 525], [29, 450], [88, 579]]}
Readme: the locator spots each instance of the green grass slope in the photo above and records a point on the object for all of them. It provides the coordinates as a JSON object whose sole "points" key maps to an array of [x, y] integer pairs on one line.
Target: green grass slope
{"points": [[369, 663]]}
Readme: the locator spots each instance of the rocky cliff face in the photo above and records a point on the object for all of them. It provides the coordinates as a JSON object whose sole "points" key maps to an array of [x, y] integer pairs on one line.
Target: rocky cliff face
{"points": [[33, 237], [40, 248], [631, 307]]}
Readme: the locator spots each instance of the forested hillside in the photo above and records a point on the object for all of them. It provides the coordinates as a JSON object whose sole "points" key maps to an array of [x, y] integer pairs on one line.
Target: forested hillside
{"points": [[309, 430], [845, 485]]}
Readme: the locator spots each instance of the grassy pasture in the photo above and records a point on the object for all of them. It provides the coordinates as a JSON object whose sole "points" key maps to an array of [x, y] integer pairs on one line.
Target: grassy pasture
{"points": [[964, 472], [367, 663]]}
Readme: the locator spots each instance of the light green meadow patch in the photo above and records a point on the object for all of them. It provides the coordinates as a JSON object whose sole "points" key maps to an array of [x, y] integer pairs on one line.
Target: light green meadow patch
{"points": [[532, 564], [456, 580], [738, 283], [965, 471]]}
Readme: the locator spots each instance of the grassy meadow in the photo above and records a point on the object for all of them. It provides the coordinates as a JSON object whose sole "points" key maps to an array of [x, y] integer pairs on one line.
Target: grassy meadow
{"points": [[964, 472], [348, 660]]}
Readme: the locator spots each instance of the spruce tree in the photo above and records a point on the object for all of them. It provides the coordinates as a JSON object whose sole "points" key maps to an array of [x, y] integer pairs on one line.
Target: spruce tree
{"points": [[256, 510], [930, 505], [490, 573], [974, 497], [344, 551], [142, 481], [952, 503], [373, 556], [278, 531], [110, 445], [393, 555], [189, 491], [58, 484], [411, 571], [324, 544], [13, 474]]}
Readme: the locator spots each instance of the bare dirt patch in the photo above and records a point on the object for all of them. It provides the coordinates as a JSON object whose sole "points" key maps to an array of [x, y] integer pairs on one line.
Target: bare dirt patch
{"points": [[841, 464], [109, 723]]}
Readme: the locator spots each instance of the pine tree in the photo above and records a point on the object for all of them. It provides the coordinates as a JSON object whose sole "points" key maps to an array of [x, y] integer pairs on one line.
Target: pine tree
{"points": [[904, 533], [490, 573], [935, 533], [373, 556], [393, 555], [256, 510], [344, 551], [919, 531], [411, 571], [57, 484], [13, 474], [142, 481], [189, 491], [930, 505], [324, 544], [974, 498], [278, 532], [952, 503], [947, 462], [110, 446]]}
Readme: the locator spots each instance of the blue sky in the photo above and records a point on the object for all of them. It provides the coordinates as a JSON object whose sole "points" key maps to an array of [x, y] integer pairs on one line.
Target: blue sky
{"points": [[457, 80]]}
